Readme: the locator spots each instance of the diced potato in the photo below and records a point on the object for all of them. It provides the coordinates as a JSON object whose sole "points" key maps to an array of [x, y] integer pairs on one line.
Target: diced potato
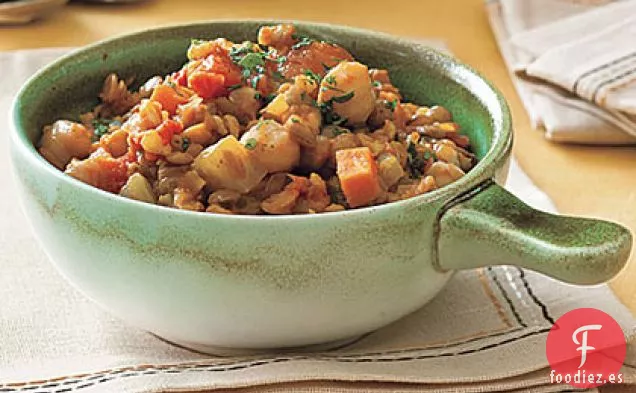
{"points": [[273, 146], [349, 82], [276, 108], [228, 164], [151, 142], [139, 188]]}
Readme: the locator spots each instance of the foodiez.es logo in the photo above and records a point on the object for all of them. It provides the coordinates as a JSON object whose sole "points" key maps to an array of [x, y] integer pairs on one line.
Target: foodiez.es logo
{"points": [[586, 348]]}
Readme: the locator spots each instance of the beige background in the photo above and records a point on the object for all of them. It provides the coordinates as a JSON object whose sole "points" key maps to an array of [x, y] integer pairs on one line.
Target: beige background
{"points": [[589, 181]]}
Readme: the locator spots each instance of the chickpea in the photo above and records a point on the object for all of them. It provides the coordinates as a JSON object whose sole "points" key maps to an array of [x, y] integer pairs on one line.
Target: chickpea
{"points": [[352, 78], [444, 173], [274, 147]]}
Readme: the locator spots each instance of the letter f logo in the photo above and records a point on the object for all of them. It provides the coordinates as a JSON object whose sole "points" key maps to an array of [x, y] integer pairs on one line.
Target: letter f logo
{"points": [[583, 343]]}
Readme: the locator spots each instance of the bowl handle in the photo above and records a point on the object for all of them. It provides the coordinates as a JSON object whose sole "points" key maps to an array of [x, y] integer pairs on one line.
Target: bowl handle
{"points": [[490, 226]]}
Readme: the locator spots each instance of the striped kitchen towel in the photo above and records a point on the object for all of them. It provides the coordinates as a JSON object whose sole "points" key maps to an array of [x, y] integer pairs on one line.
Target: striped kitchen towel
{"points": [[574, 62]]}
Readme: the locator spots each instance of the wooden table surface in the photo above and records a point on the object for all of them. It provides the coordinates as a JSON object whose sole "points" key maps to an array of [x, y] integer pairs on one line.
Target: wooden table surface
{"points": [[588, 181]]}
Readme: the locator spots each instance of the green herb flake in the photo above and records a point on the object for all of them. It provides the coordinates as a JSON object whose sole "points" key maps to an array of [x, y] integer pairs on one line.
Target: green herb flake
{"points": [[250, 144], [234, 87], [415, 162], [269, 98], [197, 41], [340, 130], [377, 84], [312, 75], [339, 121], [237, 52], [101, 127], [281, 59], [392, 105], [255, 81], [343, 98], [295, 120], [185, 144], [331, 80], [327, 88], [302, 41], [252, 60]]}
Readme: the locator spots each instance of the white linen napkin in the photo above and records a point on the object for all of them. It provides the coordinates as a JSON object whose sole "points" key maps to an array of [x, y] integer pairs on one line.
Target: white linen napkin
{"points": [[485, 332], [576, 64]]}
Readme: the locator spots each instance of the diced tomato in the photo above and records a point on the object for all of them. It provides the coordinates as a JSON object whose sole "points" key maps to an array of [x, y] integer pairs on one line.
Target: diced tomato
{"points": [[207, 85], [264, 85], [115, 175], [219, 62], [168, 98], [317, 57], [181, 77], [167, 129], [134, 145]]}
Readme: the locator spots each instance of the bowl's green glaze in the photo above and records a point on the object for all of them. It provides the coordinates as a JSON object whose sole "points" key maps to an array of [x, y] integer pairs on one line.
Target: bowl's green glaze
{"points": [[256, 282]]}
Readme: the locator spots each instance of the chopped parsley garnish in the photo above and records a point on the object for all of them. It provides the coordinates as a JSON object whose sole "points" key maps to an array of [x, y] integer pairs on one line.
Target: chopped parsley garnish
{"points": [[171, 84], [185, 143], [330, 117], [237, 52], [101, 127], [343, 98], [269, 98], [251, 60], [258, 95], [250, 144], [340, 130], [429, 154], [326, 108], [377, 84], [312, 75], [415, 162], [330, 84], [255, 81], [339, 121], [391, 105], [302, 41], [197, 41], [281, 59], [234, 87], [295, 120]]}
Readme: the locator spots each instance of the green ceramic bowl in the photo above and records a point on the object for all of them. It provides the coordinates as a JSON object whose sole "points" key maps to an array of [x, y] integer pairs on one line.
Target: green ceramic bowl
{"points": [[208, 281]]}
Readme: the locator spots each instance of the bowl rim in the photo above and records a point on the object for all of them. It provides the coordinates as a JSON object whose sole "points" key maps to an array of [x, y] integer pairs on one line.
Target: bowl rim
{"points": [[496, 156]]}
